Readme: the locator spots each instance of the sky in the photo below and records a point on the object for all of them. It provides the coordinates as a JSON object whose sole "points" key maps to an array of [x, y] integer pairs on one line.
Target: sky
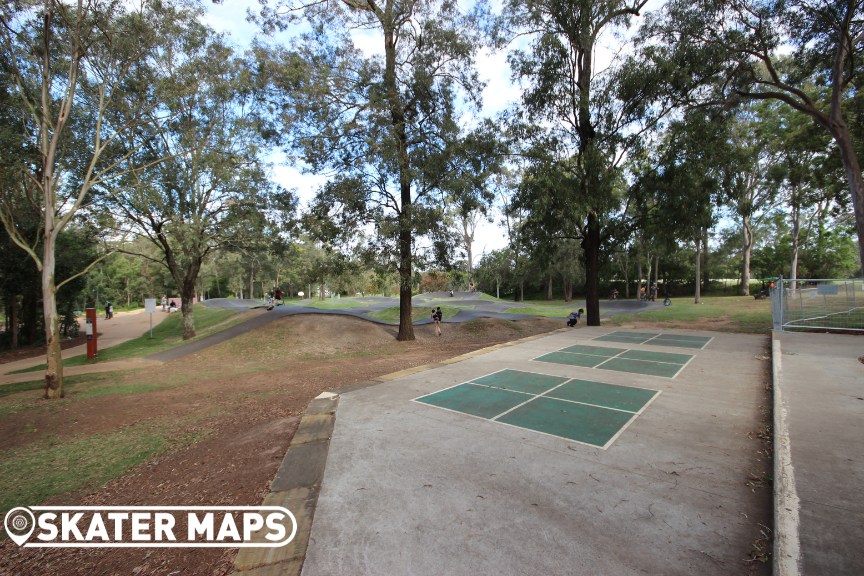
{"points": [[499, 94]]}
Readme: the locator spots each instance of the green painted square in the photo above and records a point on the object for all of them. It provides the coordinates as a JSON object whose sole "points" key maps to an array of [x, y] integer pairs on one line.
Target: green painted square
{"points": [[641, 367], [588, 424], [602, 394], [570, 359], [686, 338], [634, 334], [679, 342], [657, 356], [593, 350], [519, 381], [621, 339], [475, 400]]}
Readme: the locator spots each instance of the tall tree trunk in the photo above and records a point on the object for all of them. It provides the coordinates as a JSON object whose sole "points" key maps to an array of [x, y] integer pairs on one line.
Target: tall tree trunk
{"points": [[568, 290], [252, 281], [626, 271], [591, 249], [187, 295], [639, 275], [706, 279], [54, 371], [549, 288], [747, 247], [13, 325], [698, 295], [406, 216], [796, 232], [657, 271], [854, 179]]}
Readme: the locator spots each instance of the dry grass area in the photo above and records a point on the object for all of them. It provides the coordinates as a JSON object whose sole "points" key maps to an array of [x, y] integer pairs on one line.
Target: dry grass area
{"points": [[217, 422]]}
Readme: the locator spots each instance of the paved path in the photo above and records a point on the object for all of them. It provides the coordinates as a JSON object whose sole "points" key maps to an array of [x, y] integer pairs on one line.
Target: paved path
{"points": [[123, 327], [819, 414], [413, 489]]}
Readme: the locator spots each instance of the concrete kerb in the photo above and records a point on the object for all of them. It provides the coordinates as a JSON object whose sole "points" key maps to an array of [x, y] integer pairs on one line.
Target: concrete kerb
{"points": [[787, 545], [297, 482], [296, 487]]}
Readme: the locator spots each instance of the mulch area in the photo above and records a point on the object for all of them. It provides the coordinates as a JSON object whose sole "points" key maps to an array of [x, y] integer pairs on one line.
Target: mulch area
{"points": [[24, 352], [244, 398]]}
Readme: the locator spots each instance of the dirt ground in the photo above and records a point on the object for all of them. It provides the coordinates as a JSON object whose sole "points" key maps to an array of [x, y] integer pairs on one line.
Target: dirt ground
{"points": [[243, 398]]}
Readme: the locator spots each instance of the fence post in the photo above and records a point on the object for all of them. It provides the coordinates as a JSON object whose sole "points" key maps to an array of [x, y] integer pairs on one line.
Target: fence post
{"points": [[777, 304]]}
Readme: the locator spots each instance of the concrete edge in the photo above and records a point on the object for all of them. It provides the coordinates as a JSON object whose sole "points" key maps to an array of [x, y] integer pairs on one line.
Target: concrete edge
{"points": [[787, 544], [295, 486]]}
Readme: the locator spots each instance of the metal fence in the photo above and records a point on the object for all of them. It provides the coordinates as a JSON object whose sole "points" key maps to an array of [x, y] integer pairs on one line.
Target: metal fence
{"points": [[820, 304]]}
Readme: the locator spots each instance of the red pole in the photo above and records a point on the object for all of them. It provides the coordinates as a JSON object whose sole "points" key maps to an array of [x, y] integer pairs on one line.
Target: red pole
{"points": [[91, 333]]}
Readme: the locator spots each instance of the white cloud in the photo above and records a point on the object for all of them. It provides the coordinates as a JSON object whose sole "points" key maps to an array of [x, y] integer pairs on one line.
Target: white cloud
{"points": [[499, 92], [292, 178]]}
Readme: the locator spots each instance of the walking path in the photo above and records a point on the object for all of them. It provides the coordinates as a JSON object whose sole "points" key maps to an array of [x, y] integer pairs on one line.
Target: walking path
{"points": [[122, 327]]}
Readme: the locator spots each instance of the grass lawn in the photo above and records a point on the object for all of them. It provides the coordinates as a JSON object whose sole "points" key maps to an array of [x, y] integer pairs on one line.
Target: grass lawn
{"points": [[418, 313], [34, 473], [538, 309], [723, 313], [167, 334], [334, 304]]}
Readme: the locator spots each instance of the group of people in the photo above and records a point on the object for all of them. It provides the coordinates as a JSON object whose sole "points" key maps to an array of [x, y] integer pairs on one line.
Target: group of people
{"points": [[168, 306], [650, 294], [275, 297]]}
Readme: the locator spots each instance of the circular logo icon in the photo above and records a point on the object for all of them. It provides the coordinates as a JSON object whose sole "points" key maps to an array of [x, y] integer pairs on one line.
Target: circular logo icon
{"points": [[19, 524]]}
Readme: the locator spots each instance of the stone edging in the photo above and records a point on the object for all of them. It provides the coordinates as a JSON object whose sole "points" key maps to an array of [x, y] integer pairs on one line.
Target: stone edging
{"points": [[787, 545]]}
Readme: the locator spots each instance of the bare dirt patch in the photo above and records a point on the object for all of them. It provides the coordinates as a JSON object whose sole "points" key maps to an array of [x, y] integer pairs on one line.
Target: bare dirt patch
{"points": [[242, 399], [23, 352]]}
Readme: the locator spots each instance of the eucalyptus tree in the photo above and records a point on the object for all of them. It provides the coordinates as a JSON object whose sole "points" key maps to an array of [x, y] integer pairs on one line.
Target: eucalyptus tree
{"points": [[383, 126], [583, 121], [70, 65], [476, 160], [748, 42], [751, 155], [680, 196], [212, 190], [803, 174]]}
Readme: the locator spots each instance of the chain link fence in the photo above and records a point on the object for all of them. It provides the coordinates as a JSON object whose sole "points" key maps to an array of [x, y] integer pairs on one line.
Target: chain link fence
{"points": [[818, 304]]}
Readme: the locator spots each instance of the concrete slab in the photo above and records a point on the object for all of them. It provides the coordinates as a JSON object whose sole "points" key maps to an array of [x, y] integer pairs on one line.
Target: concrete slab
{"points": [[413, 489], [822, 391]]}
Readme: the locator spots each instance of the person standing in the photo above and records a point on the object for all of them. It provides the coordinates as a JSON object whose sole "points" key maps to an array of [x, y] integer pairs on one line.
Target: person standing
{"points": [[164, 302], [436, 317]]}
